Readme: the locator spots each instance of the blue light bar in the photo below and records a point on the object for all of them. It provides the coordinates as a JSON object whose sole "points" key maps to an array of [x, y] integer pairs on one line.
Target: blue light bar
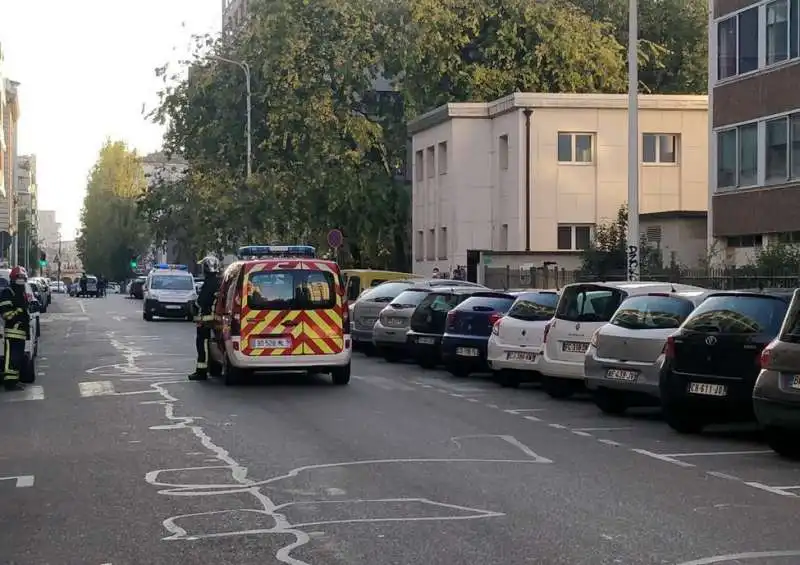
{"points": [[171, 267], [261, 251]]}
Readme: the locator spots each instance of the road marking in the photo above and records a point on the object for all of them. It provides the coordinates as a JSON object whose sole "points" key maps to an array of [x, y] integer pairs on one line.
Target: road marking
{"points": [[532, 418], [723, 475], [96, 388], [492, 405], [582, 434], [741, 556], [83, 307], [602, 429], [472, 400], [660, 457], [711, 453], [558, 426], [773, 490], [516, 411], [22, 481], [31, 392], [610, 442]]}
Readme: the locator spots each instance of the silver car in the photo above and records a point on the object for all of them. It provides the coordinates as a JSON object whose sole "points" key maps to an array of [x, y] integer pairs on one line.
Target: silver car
{"points": [[364, 311], [623, 362]]}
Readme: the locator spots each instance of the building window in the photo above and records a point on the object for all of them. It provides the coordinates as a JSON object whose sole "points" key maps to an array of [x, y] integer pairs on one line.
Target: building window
{"points": [[777, 145], [419, 245], [430, 161], [431, 247], [748, 155], [659, 148], [575, 147], [504, 237], [442, 243], [726, 158], [502, 152], [737, 44], [737, 156], [794, 135], [443, 158], [777, 36], [745, 241], [574, 238], [790, 237], [794, 28], [419, 165]]}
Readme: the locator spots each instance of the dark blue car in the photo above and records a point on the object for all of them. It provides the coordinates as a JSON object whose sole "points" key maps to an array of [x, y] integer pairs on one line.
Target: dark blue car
{"points": [[468, 328]]}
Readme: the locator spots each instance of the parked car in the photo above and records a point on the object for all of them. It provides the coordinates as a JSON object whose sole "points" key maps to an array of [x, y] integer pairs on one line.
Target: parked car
{"points": [[712, 360], [626, 356], [514, 348], [58, 287], [428, 321], [136, 289], [41, 292], [467, 330], [776, 395], [365, 311], [582, 309], [389, 332]]}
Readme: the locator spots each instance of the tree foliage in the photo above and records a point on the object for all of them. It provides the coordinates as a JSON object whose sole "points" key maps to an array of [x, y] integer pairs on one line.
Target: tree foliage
{"points": [[329, 151], [111, 229]]}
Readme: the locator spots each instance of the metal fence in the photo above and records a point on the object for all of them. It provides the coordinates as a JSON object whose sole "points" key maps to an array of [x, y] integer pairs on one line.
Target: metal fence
{"points": [[721, 279]]}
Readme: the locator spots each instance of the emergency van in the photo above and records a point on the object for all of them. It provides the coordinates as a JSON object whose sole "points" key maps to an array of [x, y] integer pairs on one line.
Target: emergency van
{"points": [[281, 309], [169, 292]]}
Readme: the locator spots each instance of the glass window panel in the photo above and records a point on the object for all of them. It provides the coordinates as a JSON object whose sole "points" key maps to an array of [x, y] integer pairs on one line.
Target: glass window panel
{"points": [[648, 148], [583, 148], [748, 40], [667, 146], [795, 140], [582, 237], [565, 237], [748, 155], [794, 29], [777, 150], [726, 48], [777, 32], [565, 147], [726, 158]]}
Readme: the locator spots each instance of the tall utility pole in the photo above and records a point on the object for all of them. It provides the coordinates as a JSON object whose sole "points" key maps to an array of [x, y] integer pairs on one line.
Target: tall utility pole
{"points": [[59, 259], [633, 252], [249, 128]]}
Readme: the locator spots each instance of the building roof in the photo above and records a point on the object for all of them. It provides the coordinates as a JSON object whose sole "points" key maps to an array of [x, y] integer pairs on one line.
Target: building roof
{"points": [[534, 100]]}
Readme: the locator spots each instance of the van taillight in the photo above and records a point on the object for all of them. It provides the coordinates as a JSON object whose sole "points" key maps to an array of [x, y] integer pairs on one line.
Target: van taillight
{"points": [[546, 331], [669, 348], [766, 357]]}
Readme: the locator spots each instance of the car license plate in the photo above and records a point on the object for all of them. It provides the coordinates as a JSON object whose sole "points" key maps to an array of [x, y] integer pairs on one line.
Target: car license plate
{"points": [[467, 351], [426, 341], [280, 343], [622, 375], [395, 322], [369, 321], [173, 307], [520, 356], [795, 381], [574, 346], [708, 389]]}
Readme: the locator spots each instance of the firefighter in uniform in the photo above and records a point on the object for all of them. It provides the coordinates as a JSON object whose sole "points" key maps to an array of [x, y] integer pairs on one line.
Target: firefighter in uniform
{"points": [[205, 315], [17, 320]]}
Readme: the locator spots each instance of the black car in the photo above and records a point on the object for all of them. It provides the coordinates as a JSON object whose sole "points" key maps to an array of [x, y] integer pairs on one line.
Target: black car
{"points": [[467, 330], [428, 323], [137, 288], [712, 361]]}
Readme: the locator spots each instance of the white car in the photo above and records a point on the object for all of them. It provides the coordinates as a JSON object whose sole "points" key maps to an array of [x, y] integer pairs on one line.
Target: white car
{"points": [[515, 346]]}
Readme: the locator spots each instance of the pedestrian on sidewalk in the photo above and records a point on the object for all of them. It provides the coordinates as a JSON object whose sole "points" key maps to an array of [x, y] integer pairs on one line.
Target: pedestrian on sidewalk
{"points": [[17, 320]]}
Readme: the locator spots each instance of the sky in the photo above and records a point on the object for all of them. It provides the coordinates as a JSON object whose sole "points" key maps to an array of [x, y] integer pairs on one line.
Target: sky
{"points": [[86, 69]]}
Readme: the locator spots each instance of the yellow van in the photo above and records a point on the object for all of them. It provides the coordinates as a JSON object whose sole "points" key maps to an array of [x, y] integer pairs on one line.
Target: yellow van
{"points": [[357, 281]]}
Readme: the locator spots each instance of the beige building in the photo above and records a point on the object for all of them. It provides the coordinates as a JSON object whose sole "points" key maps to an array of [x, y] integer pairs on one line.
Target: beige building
{"points": [[10, 119], [472, 163], [49, 231], [27, 211]]}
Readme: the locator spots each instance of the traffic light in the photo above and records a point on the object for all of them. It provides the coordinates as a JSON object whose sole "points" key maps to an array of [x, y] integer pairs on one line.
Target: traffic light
{"points": [[134, 262]]}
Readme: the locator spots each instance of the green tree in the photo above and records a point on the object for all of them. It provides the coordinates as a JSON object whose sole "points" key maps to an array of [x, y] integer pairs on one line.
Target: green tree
{"points": [[111, 228]]}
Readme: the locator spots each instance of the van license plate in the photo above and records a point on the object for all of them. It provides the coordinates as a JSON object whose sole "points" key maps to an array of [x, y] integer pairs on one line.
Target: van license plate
{"points": [[621, 375], [172, 307], [426, 341], [467, 351], [708, 389], [796, 381], [521, 356], [574, 346], [272, 343]]}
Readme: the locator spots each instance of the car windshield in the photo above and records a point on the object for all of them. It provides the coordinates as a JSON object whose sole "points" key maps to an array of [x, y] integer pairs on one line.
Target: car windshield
{"points": [[167, 282], [385, 292], [652, 312], [291, 290], [410, 298], [738, 314], [487, 304], [588, 303], [534, 306]]}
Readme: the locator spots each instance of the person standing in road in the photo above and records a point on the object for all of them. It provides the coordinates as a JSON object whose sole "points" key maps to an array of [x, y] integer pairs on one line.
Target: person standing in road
{"points": [[205, 315], [83, 283], [17, 320]]}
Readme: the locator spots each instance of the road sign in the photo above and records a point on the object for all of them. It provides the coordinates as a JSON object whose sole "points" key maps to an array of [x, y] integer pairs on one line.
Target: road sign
{"points": [[335, 238]]}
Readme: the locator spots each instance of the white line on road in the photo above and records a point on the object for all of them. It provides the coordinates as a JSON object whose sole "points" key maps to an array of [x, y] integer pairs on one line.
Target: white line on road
{"points": [[723, 475], [602, 429], [773, 490], [83, 307], [532, 418], [712, 453], [660, 457], [742, 556], [472, 400], [582, 434], [558, 426], [31, 392], [96, 388], [610, 442], [22, 481], [516, 411]]}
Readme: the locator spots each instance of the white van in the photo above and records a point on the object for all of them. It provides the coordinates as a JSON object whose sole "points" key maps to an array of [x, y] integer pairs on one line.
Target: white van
{"points": [[582, 310]]}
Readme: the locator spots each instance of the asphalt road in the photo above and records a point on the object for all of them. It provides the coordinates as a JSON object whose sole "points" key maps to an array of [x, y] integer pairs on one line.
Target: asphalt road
{"points": [[113, 457]]}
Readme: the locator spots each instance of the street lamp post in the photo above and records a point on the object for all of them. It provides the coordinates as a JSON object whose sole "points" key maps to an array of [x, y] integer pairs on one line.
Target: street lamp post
{"points": [[633, 252], [249, 132]]}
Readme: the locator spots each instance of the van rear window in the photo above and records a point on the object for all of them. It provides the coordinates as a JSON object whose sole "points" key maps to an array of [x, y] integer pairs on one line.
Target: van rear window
{"points": [[588, 303], [291, 290]]}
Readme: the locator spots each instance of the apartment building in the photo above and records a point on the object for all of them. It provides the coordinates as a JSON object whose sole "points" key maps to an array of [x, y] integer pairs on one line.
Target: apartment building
{"points": [[754, 51], [474, 164], [49, 230], [27, 213], [10, 120], [234, 13]]}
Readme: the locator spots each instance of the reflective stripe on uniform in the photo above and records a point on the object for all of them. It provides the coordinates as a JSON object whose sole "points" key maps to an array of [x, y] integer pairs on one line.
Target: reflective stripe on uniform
{"points": [[12, 333], [207, 318], [9, 374], [202, 365], [5, 303]]}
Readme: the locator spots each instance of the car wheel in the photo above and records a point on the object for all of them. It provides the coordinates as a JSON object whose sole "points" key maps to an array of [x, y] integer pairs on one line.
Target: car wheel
{"points": [[610, 401], [507, 379], [214, 368], [341, 375], [682, 419], [27, 374], [784, 442], [231, 375], [147, 317], [457, 369], [558, 388]]}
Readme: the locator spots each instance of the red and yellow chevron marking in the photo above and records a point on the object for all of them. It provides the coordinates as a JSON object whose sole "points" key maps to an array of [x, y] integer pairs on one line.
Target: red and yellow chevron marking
{"points": [[323, 332]]}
